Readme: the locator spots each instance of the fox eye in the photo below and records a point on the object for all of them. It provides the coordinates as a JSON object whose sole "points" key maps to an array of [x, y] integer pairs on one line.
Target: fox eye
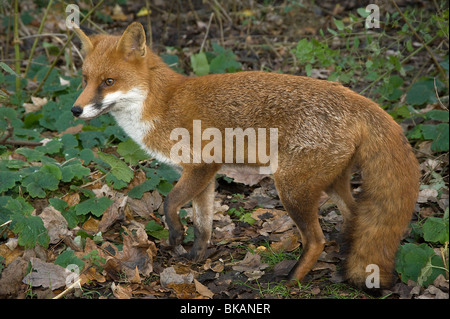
{"points": [[109, 82]]}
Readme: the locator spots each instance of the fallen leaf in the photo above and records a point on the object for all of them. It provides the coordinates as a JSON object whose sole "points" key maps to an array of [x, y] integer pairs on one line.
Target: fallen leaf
{"points": [[55, 223], [121, 292], [247, 176], [170, 276], [47, 275], [11, 278], [37, 104], [251, 266], [203, 290], [91, 275], [149, 202], [114, 212]]}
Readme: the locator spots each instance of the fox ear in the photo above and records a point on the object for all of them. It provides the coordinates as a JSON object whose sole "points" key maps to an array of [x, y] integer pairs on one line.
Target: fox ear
{"points": [[132, 40], [85, 41]]}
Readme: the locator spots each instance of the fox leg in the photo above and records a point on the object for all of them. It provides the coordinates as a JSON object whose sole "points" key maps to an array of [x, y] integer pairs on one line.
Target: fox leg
{"points": [[193, 181], [203, 210], [302, 205], [341, 194]]}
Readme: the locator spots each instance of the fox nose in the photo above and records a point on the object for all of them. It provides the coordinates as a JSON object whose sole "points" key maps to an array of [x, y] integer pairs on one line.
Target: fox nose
{"points": [[76, 110]]}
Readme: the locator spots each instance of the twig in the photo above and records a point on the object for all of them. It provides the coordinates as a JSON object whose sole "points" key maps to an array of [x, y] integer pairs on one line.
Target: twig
{"points": [[441, 70], [72, 286], [9, 132], [207, 31]]}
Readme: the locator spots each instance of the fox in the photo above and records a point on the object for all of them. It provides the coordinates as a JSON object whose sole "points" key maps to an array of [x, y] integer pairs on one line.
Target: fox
{"points": [[324, 130]]}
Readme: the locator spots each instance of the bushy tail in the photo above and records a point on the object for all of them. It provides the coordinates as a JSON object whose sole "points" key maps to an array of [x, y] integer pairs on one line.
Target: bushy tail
{"points": [[390, 175]]}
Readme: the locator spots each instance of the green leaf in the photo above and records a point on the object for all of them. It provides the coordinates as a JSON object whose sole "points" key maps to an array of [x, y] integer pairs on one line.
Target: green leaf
{"points": [[164, 188], [339, 24], [96, 206], [67, 258], [200, 64], [5, 67], [30, 229], [31, 154], [439, 134], [436, 230], [74, 169], [156, 230], [132, 153], [8, 180], [420, 93], [118, 168], [47, 178], [438, 115], [148, 185], [413, 263]]}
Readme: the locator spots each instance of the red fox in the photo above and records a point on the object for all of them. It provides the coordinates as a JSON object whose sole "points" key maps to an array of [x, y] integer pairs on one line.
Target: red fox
{"points": [[322, 130]]}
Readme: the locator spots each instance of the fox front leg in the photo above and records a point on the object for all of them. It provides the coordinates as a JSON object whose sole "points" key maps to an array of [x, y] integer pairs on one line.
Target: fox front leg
{"points": [[194, 184]]}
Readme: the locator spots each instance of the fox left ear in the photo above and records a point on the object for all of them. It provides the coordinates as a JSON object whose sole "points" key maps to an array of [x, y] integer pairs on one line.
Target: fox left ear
{"points": [[132, 41]]}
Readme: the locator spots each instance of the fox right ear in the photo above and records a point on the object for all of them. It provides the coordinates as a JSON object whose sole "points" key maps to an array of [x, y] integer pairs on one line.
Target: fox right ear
{"points": [[85, 41]]}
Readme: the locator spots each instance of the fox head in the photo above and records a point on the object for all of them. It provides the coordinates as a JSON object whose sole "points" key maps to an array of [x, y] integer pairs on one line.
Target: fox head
{"points": [[115, 71]]}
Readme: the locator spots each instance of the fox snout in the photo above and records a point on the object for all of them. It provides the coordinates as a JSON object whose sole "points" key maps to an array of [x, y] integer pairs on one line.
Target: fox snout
{"points": [[76, 110]]}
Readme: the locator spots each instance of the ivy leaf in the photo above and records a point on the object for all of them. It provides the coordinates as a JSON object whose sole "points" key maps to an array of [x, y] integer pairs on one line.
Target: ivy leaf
{"points": [[96, 206], [118, 168]]}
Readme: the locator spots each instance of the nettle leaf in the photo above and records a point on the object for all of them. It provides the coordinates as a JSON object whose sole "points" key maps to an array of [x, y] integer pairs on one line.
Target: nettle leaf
{"points": [[439, 134], [8, 180], [96, 206], [149, 185], [67, 258], [156, 230], [30, 229], [32, 155], [413, 262], [132, 153], [118, 168], [74, 169], [46, 178], [436, 230]]}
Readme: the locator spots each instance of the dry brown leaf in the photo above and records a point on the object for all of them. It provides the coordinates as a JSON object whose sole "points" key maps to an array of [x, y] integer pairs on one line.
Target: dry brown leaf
{"points": [[47, 275], [247, 176], [55, 223], [121, 292], [170, 276], [114, 212], [9, 254], [91, 275], [37, 104], [71, 199], [203, 290], [149, 202]]}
